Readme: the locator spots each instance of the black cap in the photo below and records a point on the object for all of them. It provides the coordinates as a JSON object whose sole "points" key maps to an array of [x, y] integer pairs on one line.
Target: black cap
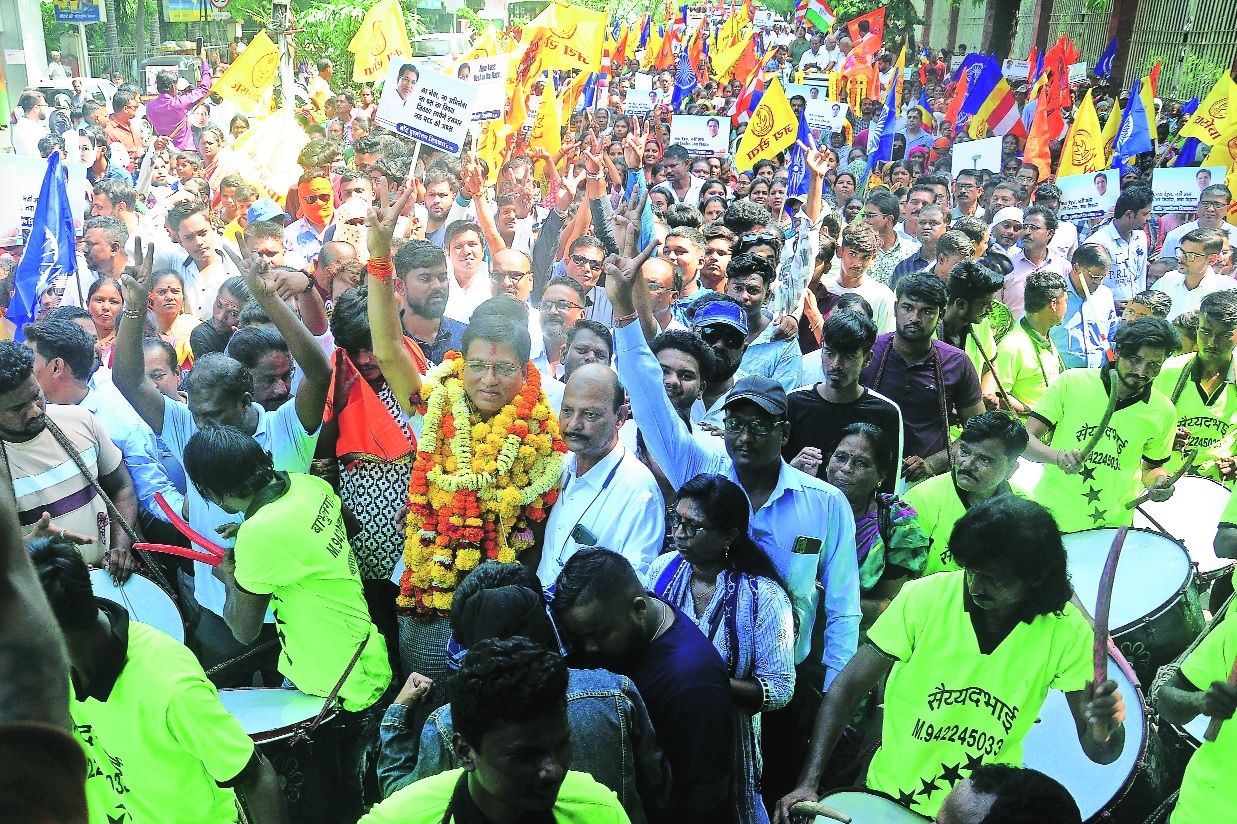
{"points": [[766, 393]]}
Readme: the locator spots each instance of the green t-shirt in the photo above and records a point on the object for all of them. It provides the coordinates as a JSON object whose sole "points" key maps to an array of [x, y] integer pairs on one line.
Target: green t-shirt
{"points": [[1212, 421], [581, 800], [295, 549], [938, 507], [160, 742], [1141, 427], [949, 708], [1206, 790], [1026, 363], [981, 334]]}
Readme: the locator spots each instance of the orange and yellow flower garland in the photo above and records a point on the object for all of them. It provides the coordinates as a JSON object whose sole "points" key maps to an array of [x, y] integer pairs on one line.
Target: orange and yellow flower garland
{"points": [[475, 488]]}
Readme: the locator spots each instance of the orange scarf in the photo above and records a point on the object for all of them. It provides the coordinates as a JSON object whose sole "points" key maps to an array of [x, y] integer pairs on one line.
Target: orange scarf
{"points": [[365, 424]]}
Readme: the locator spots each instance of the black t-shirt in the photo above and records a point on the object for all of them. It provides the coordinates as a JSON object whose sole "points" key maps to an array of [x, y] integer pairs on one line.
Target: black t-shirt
{"points": [[205, 338], [816, 422]]}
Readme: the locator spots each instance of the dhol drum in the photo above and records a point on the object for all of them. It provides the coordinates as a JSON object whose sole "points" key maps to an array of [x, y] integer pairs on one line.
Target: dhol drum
{"points": [[307, 765], [144, 599], [1190, 516], [868, 807], [1155, 604], [1127, 790]]}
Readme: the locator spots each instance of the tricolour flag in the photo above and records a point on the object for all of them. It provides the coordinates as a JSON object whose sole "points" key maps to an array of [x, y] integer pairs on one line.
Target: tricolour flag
{"points": [[50, 254], [820, 15]]}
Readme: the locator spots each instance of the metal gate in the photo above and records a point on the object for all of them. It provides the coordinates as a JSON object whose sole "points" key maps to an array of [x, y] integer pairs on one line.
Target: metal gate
{"points": [[1195, 40], [1088, 29], [972, 18], [1024, 34]]}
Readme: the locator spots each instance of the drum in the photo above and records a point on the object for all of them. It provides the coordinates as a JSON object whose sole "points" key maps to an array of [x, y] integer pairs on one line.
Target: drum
{"points": [[1190, 517], [1155, 604], [868, 807], [308, 767], [1127, 790], [144, 599]]}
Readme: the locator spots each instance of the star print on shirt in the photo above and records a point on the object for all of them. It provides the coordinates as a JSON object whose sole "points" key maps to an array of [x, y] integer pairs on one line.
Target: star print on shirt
{"points": [[951, 773], [929, 787], [1097, 515], [973, 761], [1092, 495], [1088, 474], [906, 799]]}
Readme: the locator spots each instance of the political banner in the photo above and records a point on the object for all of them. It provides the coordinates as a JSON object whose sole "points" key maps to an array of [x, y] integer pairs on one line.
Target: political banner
{"points": [[1077, 73], [1016, 69], [977, 154], [489, 75], [701, 134], [79, 11], [23, 179], [427, 106], [1088, 195], [825, 115], [1176, 191]]}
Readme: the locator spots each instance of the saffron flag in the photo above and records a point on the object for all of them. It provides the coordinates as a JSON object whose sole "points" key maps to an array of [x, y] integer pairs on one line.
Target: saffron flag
{"points": [[1083, 152], [1036, 150], [246, 81], [51, 251], [571, 36], [1103, 67], [618, 57], [867, 32], [771, 130], [382, 36], [1215, 116], [547, 128], [1136, 134], [954, 110], [737, 61], [820, 15], [650, 53], [697, 56]]}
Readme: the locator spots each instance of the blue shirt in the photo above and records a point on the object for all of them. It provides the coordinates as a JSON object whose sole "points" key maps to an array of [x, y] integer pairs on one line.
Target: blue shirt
{"points": [[776, 359], [1085, 335], [823, 578]]}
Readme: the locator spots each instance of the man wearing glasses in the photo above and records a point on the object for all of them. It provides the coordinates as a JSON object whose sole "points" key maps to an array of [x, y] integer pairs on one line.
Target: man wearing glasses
{"points": [[803, 524], [121, 125], [1083, 336], [583, 265], [561, 307], [1198, 252], [1212, 207], [966, 195], [1039, 225]]}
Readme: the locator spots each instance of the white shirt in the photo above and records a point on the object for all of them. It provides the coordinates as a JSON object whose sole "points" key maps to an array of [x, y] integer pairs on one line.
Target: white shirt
{"points": [[1128, 275], [1064, 241], [1186, 299], [26, 136], [877, 294], [460, 301], [618, 501], [200, 292], [1172, 241]]}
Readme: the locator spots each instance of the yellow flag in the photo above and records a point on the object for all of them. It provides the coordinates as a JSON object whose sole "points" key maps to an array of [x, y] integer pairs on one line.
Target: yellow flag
{"points": [[650, 50], [486, 46], [1083, 152], [382, 35], [571, 37], [1109, 135], [1224, 153], [253, 73], [724, 60], [1216, 115], [547, 130], [267, 153], [571, 95], [772, 128]]}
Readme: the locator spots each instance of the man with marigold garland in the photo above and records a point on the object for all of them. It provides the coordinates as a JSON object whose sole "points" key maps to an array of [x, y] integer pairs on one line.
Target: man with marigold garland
{"points": [[488, 460]]}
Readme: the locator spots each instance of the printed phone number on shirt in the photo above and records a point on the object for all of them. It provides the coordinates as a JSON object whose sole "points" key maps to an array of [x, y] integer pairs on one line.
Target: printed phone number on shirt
{"points": [[969, 737]]}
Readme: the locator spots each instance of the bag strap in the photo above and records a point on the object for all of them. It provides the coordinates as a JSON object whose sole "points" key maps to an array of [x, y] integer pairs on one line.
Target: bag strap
{"points": [[330, 699]]}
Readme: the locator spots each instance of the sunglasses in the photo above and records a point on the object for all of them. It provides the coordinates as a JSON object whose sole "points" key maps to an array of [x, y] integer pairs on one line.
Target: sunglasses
{"points": [[757, 427], [581, 260], [316, 198], [714, 335], [498, 276]]}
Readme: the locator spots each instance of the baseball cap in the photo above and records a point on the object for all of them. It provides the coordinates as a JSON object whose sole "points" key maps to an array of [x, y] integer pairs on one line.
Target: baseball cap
{"points": [[766, 393], [266, 209], [721, 313]]}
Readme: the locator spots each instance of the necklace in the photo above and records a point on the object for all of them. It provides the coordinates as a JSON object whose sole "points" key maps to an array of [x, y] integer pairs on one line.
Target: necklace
{"points": [[664, 622]]}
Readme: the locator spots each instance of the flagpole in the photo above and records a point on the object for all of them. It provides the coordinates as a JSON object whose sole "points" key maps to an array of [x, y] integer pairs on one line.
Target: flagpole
{"points": [[281, 23]]}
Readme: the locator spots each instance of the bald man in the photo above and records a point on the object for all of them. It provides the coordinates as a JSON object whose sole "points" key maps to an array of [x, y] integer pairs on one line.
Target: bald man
{"points": [[511, 275], [609, 498]]}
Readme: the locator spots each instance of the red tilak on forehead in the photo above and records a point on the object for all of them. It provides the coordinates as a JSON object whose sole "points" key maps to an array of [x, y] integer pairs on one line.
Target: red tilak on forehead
{"points": [[493, 353]]}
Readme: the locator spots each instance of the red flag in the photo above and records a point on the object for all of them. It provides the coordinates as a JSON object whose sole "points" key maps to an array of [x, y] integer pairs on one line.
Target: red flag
{"points": [[1031, 67], [1155, 77], [1036, 150], [665, 54], [618, 58], [695, 54], [955, 105], [867, 42], [747, 63]]}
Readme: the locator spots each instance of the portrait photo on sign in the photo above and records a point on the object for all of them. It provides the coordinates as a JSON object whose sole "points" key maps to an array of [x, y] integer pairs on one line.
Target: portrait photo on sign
{"points": [[1178, 190], [701, 134], [426, 105], [826, 115], [1089, 195], [489, 75]]}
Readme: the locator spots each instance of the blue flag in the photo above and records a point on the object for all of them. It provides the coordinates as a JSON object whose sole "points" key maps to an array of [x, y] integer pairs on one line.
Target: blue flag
{"points": [[800, 175], [1134, 134], [588, 94], [1190, 106], [50, 252], [684, 81], [1104, 67], [1188, 153], [880, 132], [645, 31]]}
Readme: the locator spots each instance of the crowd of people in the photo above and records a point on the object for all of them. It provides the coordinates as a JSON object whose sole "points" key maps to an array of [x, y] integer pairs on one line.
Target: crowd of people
{"points": [[618, 484]]}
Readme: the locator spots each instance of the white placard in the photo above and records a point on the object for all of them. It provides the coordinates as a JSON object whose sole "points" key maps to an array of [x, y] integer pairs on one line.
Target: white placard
{"points": [[1077, 73], [955, 62], [977, 154], [1176, 191], [701, 134], [489, 75], [23, 180], [642, 82], [640, 102], [763, 19], [152, 72], [1016, 69], [427, 106], [1088, 195], [826, 115], [15, 57]]}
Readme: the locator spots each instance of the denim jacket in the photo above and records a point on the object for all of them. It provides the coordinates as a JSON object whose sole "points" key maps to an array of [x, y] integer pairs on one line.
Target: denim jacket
{"points": [[611, 734]]}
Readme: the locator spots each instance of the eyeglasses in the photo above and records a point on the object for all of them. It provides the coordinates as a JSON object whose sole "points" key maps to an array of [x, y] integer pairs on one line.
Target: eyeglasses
{"points": [[757, 427], [316, 198], [690, 528], [1212, 205], [759, 237], [499, 276], [581, 260], [965, 187], [559, 305], [479, 368], [655, 288], [1190, 257], [727, 337]]}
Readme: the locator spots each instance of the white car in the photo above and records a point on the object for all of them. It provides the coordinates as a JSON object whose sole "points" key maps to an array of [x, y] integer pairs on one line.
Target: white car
{"points": [[440, 51]]}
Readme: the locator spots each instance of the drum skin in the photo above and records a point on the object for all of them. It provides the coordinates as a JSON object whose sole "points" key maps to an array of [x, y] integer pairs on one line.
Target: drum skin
{"points": [[1191, 517], [866, 806], [144, 600]]}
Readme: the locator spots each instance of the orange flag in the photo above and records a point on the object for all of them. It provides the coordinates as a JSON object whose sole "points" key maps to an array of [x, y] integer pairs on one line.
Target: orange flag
{"points": [[618, 57], [1036, 150], [665, 55], [695, 54], [955, 105]]}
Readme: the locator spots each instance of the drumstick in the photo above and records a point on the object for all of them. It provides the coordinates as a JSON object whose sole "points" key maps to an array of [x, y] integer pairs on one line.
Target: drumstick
{"points": [[183, 552], [991, 368], [1213, 729], [816, 808], [1099, 432], [1176, 476], [182, 526], [1120, 660], [1104, 605]]}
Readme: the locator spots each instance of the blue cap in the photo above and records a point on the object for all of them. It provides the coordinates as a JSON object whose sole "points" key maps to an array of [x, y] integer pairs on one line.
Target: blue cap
{"points": [[266, 209], [721, 313]]}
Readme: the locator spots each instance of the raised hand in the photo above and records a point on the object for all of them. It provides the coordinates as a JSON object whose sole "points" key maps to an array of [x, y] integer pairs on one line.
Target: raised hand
{"points": [[817, 160], [624, 271], [381, 219], [138, 279], [572, 180], [592, 154], [471, 176], [633, 145]]}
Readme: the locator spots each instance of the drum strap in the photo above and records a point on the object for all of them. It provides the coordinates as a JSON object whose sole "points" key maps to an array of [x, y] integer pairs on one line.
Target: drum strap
{"points": [[308, 730]]}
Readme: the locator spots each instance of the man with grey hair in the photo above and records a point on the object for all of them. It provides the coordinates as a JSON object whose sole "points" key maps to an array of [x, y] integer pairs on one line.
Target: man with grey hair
{"points": [[57, 70], [1084, 336], [103, 244], [1213, 205]]}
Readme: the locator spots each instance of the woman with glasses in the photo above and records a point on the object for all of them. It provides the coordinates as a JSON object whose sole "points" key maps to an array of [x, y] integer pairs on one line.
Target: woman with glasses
{"points": [[890, 546], [718, 578]]}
